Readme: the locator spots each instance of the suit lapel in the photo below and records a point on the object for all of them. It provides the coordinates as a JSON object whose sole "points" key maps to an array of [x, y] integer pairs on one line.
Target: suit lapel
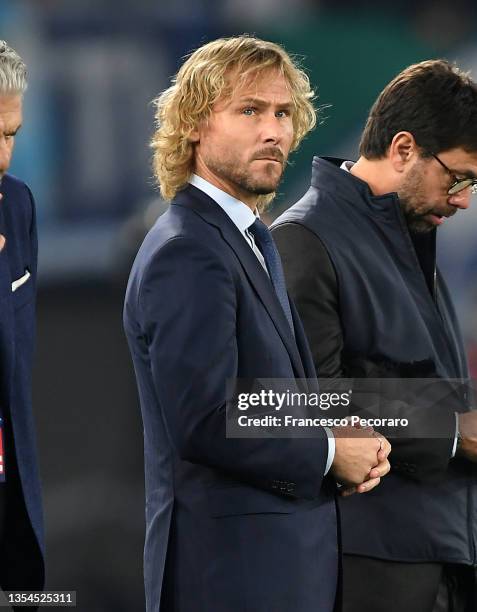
{"points": [[211, 212], [6, 316]]}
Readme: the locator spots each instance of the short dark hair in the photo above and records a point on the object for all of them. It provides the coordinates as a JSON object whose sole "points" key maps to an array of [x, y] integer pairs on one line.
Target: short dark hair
{"points": [[434, 100]]}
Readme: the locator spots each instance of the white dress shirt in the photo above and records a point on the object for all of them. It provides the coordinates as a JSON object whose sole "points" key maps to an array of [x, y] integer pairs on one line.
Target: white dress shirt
{"points": [[241, 214], [243, 217]]}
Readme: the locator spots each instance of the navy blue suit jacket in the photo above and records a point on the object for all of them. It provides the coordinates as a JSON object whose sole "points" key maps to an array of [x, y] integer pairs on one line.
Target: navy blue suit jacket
{"points": [[199, 310], [21, 564]]}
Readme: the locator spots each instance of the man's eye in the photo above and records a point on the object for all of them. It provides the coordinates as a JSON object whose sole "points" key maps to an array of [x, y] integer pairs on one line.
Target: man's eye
{"points": [[282, 113], [248, 111]]}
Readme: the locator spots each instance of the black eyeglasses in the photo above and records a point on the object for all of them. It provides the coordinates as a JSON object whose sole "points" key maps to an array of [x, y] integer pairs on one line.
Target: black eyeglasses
{"points": [[458, 184]]}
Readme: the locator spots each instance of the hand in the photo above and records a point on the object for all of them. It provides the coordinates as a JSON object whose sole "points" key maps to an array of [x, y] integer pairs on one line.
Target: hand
{"points": [[468, 434], [375, 475], [360, 458]]}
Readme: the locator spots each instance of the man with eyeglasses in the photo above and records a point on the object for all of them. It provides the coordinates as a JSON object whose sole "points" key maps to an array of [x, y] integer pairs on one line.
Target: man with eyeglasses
{"points": [[359, 255]]}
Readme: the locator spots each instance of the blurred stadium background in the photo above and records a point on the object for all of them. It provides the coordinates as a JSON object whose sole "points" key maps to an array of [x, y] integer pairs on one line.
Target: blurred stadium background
{"points": [[94, 67]]}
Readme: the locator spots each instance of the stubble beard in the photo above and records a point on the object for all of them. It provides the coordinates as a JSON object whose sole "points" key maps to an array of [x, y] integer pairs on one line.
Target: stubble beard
{"points": [[237, 174], [412, 201]]}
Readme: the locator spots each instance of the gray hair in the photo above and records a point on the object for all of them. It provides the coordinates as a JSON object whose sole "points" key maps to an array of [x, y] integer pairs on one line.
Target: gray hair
{"points": [[12, 71]]}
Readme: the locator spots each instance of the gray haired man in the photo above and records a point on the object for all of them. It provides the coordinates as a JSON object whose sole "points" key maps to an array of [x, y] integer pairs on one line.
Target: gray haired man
{"points": [[21, 524]]}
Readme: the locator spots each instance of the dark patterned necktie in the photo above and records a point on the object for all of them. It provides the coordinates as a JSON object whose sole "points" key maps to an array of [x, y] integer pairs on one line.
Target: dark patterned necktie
{"points": [[266, 244]]}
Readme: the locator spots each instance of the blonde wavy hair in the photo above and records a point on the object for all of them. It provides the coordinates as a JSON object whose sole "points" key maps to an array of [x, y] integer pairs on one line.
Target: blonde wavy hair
{"points": [[200, 82]]}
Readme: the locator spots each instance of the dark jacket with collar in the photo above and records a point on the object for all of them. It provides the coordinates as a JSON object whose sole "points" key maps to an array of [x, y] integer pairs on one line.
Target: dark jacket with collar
{"points": [[372, 307], [200, 310], [21, 559]]}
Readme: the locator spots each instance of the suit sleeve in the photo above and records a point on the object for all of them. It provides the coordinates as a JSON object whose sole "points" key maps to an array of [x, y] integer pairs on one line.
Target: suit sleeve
{"points": [[312, 283], [187, 308]]}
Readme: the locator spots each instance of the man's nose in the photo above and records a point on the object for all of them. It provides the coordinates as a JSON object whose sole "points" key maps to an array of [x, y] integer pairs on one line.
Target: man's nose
{"points": [[4, 163], [460, 199], [5, 157], [271, 129]]}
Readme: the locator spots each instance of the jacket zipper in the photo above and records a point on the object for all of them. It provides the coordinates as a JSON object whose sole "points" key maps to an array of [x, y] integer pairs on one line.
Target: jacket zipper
{"points": [[435, 285]]}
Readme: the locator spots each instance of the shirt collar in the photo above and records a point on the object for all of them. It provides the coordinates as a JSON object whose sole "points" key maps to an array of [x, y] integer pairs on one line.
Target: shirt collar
{"points": [[347, 165], [241, 214]]}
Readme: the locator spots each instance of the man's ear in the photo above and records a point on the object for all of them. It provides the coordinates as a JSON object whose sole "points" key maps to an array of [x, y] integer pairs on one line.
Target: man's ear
{"points": [[402, 151], [194, 135]]}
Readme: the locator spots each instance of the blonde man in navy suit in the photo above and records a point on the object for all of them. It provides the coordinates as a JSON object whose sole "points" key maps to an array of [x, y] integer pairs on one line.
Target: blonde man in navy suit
{"points": [[232, 524]]}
